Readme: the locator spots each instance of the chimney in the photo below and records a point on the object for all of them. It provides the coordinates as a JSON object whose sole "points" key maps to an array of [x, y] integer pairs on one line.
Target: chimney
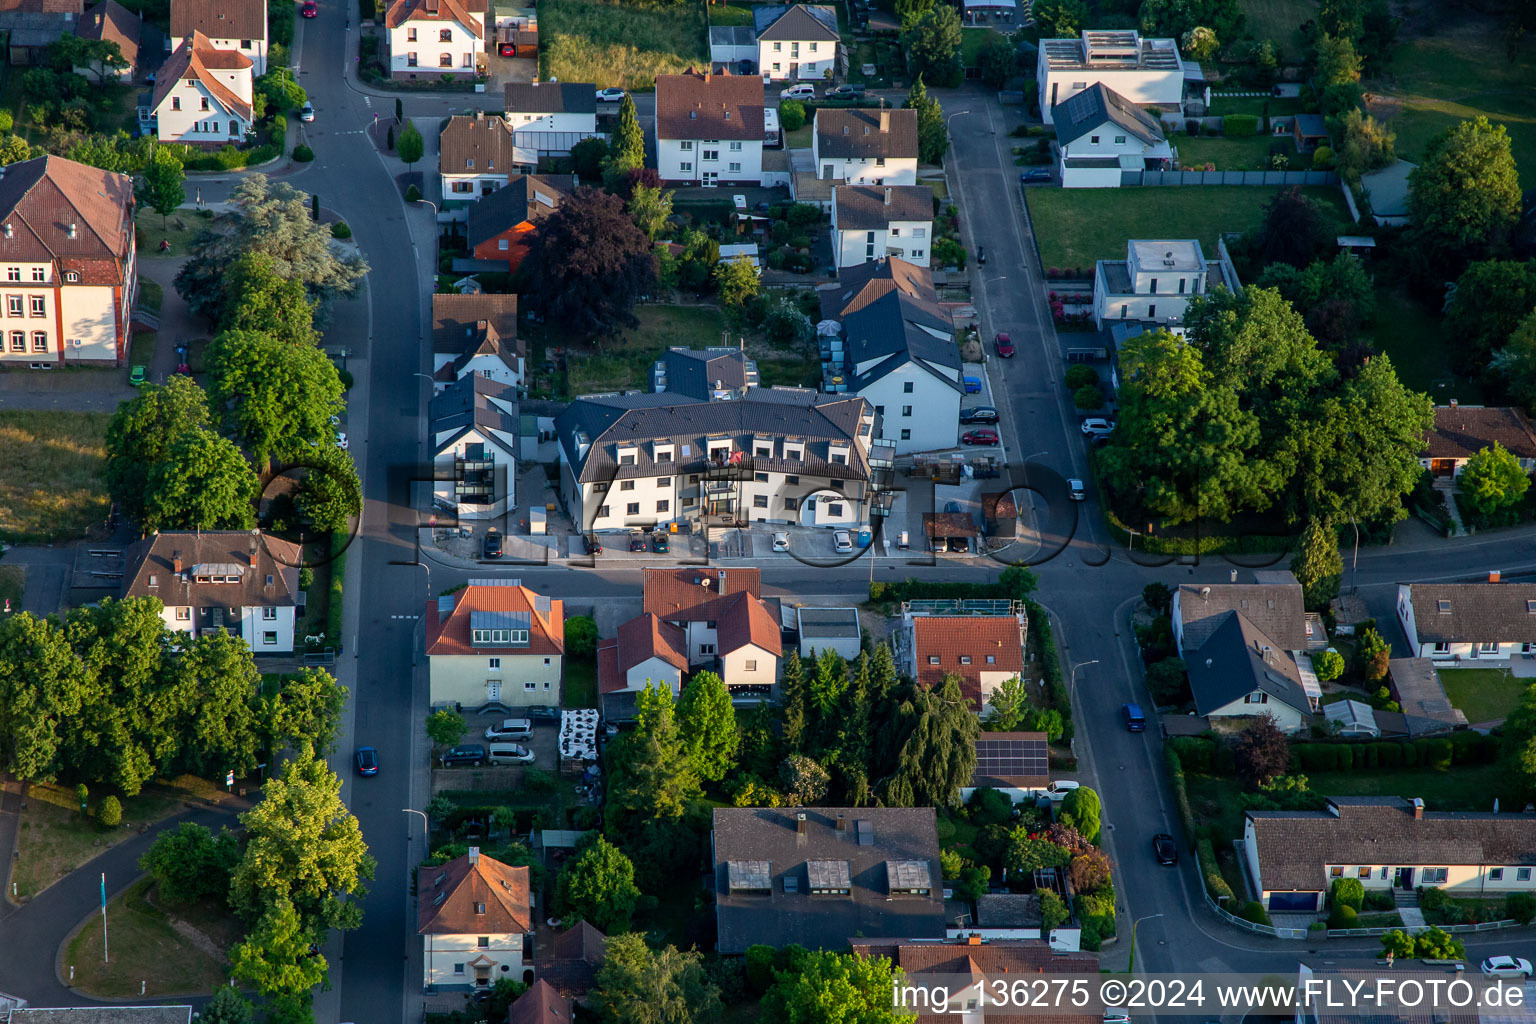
{"points": [[842, 822], [800, 823], [1493, 575], [1418, 809], [885, 121], [176, 562], [708, 76], [479, 115], [973, 940], [474, 855], [887, 197], [1453, 403]]}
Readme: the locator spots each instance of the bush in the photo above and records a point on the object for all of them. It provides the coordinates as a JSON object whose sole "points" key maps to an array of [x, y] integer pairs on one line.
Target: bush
{"points": [[988, 806], [1088, 397], [1329, 665], [1436, 754], [1080, 376], [412, 194], [1346, 892], [1410, 754], [1322, 158], [1215, 884], [1344, 916], [1434, 899], [303, 154], [110, 812], [346, 379], [1380, 899], [1521, 906], [791, 115], [1240, 126], [1180, 790], [340, 230], [1255, 913], [1391, 755], [7, 122]]}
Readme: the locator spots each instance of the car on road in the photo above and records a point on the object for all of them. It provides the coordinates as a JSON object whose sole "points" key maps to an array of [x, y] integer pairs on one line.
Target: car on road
{"points": [[660, 543], [1004, 345], [1506, 967], [307, 112], [138, 376], [610, 95], [492, 543], [803, 91], [510, 729], [972, 385], [1135, 718], [979, 414], [848, 89], [985, 435], [310, 9], [471, 754], [1057, 791], [367, 761], [1115, 1015], [1098, 427], [637, 542], [842, 542], [781, 541], [589, 542], [185, 369], [1165, 848], [1075, 490], [1035, 174]]}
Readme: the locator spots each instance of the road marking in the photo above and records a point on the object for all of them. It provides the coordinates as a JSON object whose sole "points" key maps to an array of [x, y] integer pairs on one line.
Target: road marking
{"points": [[405, 616]]}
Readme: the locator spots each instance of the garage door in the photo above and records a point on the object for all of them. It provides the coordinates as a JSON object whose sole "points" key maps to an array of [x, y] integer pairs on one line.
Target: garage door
{"points": [[1281, 902]]}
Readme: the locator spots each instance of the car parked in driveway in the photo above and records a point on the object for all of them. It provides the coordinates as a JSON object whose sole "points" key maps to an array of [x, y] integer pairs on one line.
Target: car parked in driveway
{"points": [[781, 541], [1004, 345], [972, 385], [138, 376], [848, 90], [367, 761], [1166, 850], [510, 729], [1035, 174], [492, 543], [541, 711], [660, 542], [979, 414], [1057, 791], [803, 91], [470, 754], [610, 95], [637, 542], [985, 435], [1098, 427], [509, 753], [842, 542]]}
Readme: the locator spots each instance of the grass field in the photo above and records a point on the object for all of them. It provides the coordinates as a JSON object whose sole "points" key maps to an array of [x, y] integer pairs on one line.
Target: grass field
{"points": [[725, 15], [1221, 106], [1483, 694], [1407, 330], [625, 45], [151, 295], [624, 361], [181, 955], [1235, 154], [50, 474], [1075, 227], [580, 683], [179, 229], [971, 42], [1279, 21]]}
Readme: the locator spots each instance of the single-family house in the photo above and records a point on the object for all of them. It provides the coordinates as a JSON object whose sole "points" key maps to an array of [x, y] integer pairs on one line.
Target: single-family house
{"points": [[551, 117], [1386, 843], [775, 455], [797, 43], [245, 583], [30, 27], [708, 374], [502, 225], [474, 915], [1246, 647], [897, 351], [229, 25], [541, 1004], [1461, 431], [709, 129], [474, 427], [1156, 280], [865, 146], [981, 642], [829, 629], [570, 963], [647, 651], [495, 643], [71, 268], [434, 38], [1146, 72], [726, 627], [475, 334], [478, 155], [1100, 133], [111, 22], [941, 981], [1017, 764], [816, 876], [203, 95], [1492, 621], [870, 221]]}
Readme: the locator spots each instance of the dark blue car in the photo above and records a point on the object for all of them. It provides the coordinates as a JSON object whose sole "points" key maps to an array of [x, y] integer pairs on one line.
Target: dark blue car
{"points": [[1135, 721], [367, 761]]}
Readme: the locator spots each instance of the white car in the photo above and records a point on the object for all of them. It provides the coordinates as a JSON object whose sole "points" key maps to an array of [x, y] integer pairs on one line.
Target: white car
{"points": [[307, 112], [510, 729], [842, 542], [1098, 427], [803, 91], [610, 95], [1057, 791], [1075, 490], [1506, 967], [781, 541]]}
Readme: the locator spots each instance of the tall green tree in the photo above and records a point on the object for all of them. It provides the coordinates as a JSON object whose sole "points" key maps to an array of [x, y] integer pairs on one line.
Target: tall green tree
{"points": [[998, 60], [1337, 62], [217, 670], [820, 987], [650, 207], [275, 957], [1060, 19], [1318, 564], [1293, 230], [1009, 704], [141, 433], [938, 752], [410, 145], [794, 698], [932, 132], [598, 886], [1485, 305], [1083, 811], [201, 483], [304, 713], [638, 985], [706, 723], [933, 47], [651, 778], [277, 398], [259, 299], [191, 863], [163, 185], [590, 264], [1493, 480], [737, 282], [1516, 362], [1518, 747], [330, 493], [227, 1006], [42, 685], [626, 149], [1173, 18], [1464, 197]]}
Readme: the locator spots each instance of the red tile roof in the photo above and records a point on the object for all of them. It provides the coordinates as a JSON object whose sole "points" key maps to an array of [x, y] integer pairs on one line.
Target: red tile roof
{"points": [[220, 19], [402, 11], [746, 620], [639, 639], [541, 1004], [1003, 961], [670, 591], [1461, 431], [705, 105], [976, 637], [571, 961], [474, 894], [448, 629], [114, 23], [40, 199], [609, 678], [194, 59]]}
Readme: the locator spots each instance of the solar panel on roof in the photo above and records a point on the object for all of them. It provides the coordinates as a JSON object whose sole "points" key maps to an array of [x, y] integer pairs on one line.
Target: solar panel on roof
{"points": [[1012, 758]]}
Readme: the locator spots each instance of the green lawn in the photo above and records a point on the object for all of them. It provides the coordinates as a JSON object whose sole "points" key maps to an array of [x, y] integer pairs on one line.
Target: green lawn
{"points": [[1279, 21], [50, 474], [1483, 694], [580, 683], [1235, 154], [624, 361], [800, 138], [1221, 106], [1075, 227], [615, 44], [179, 229], [151, 295], [1407, 330], [145, 947], [1467, 787], [730, 14]]}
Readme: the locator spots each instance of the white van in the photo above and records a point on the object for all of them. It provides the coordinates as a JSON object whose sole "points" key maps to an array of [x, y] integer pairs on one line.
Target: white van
{"points": [[803, 91], [508, 753]]}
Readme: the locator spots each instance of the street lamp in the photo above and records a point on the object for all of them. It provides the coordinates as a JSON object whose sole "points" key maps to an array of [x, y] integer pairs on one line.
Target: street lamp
{"points": [[426, 825], [431, 204], [951, 117], [1072, 680], [1133, 936]]}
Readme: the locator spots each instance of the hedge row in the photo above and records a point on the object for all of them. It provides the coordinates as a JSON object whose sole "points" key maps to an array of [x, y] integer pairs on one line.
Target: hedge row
{"points": [[1050, 668], [1204, 756], [1180, 790], [1215, 884], [1437, 753], [918, 590], [339, 541]]}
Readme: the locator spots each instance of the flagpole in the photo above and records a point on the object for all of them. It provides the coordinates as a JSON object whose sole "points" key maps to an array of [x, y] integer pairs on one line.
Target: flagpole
{"points": [[104, 958]]}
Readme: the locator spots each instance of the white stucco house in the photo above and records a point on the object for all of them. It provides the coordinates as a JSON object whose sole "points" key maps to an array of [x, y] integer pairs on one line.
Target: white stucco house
{"points": [[474, 431], [646, 651], [1147, 72], [1155, 281], [871, 221], [724, 625], [1100, 133], [798, 42], [475, 335], [495, 643], [936, 639], [478, 155], [203, 95], [709, 129], [474, 915], [550, 117], [432, 38], [865, 146], [1468, 622], [229, 25]]}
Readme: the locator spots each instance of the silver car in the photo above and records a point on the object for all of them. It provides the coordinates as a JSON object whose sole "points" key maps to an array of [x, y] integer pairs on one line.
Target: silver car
{"points": [[842, 542]]}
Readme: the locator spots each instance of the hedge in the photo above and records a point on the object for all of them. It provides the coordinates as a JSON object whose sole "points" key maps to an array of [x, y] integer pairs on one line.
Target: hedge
{"points": [[1050, 667], [1180, 790], [1256, 913], [1215, 884], [1437, 753], [1240, 125], [1196, 753], [338, 576], [1097, 912]]}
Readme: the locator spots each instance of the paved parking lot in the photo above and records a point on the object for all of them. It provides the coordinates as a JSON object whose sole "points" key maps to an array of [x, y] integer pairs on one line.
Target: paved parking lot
{"points": [[543, 743]]}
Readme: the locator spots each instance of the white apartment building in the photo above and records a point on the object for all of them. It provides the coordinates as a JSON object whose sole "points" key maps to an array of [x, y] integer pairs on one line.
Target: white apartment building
{"points": [[796, 43], [229, 25], [495, 642], [870, 222], [203, 95], [865, 146], [709, 129], [1100, 134], [550, 117], [474, 428], [1148, 72], [1155, 281], [431, 38]]}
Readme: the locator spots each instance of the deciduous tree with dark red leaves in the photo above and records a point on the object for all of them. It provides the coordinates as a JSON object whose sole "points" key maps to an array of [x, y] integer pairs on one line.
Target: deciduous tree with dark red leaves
{"points": [[590, 264], [1262, 752]]}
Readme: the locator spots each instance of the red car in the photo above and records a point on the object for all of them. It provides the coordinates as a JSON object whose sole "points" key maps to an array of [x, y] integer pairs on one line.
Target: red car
{"points": [[979, 437], [310, 9], [185, 369], [1004, 346], [507, 49]]}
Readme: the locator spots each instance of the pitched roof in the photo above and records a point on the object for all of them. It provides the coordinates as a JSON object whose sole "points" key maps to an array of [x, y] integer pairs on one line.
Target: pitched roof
{"points": [[402, 11], [114, 23], [100, 1015], [696, 373], [473, 894], [772, 865], [550, 98], [526, 199], [1277, 609], [843, 132], [993, 961], [640, 639], [669, 592], [705, 105], [473, 402], [745, 620], [502, 603], [267, 568], [42, 6], [1081, 113], [483, 324], [196, 60], [1237, 659], [573, 959], [541, 1004], [219, 19], [874, 207], [888, 308], [973, 638], [1461, 431], [800, 22], [43, 199], [1421, 695], [1474, 612], [859, 285], [1294, 847], [476, 145], [1012, 760]]}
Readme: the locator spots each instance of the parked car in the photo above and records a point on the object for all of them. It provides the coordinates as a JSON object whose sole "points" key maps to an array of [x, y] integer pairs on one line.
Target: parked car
{"points": [[510, 729], [972, 385], [492, 543], [138, 376], [310, 9], [1506, 967], [983, 436], [509, 753], [1057, 791], [610, 95], [1165, 848], [803, 91], [842, 542], [1004, 345], [637, 542], [185, 369], [1135, 718], [367, 761], [1035, 174], [1098, 427], [506, 49], [659, 542], [307, 112], [979, 414], [1075, 490], [471, 754], [589, 542], [848, 89], [542, 711], [781, 541]]}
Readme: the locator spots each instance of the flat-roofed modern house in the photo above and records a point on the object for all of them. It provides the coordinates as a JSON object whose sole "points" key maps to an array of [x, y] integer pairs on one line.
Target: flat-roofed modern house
{"points": [[829, 629], [1147, 72], [1156, 281], [1468, 622]]}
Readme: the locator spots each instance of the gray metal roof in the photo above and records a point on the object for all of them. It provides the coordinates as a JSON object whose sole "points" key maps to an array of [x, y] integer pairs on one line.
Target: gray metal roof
{"points": [[102, 1015], [500, 620], [802, 23], [472, 401], [1083, 112], [550, 98], [696, 372]]}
